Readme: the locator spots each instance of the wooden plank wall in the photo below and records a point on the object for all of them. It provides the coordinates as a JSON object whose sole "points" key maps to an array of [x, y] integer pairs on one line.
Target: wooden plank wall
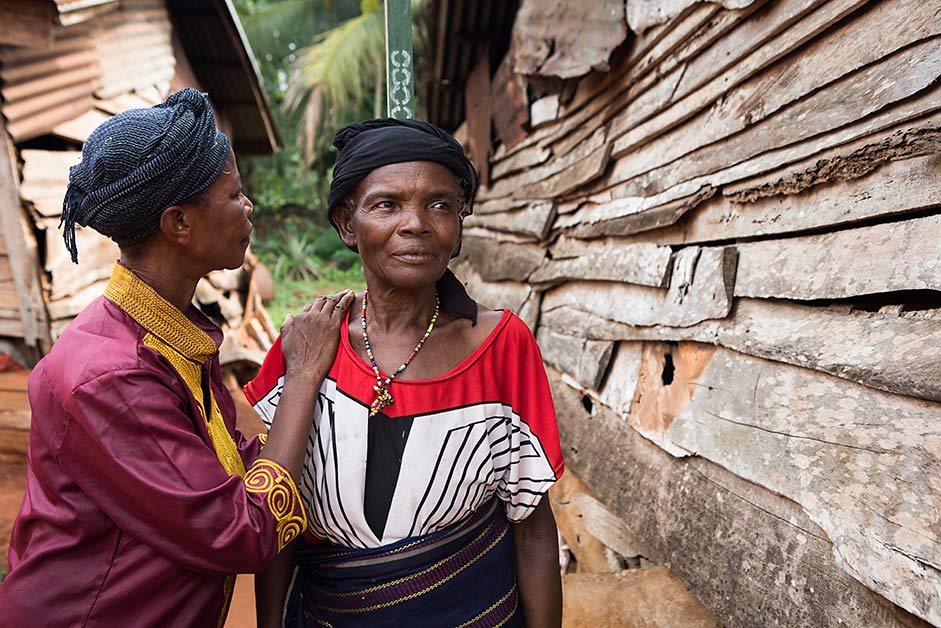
{"points": [[729, 248]]}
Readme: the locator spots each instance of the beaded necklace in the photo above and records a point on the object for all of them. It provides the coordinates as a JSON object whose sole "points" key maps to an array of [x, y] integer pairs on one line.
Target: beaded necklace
{"points": [[384, 397]]}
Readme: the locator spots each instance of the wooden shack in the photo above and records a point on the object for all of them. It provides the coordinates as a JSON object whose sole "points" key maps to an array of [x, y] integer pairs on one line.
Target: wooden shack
{"points": [[723, 222], [65, 67]]}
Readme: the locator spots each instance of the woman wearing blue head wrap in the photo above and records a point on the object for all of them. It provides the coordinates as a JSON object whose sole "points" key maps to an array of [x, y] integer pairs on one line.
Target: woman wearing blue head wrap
{"points": [[142, 498], [434, 439]]}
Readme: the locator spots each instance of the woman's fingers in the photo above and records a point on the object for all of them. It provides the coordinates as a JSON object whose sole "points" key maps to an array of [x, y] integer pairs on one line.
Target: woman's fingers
{"points": [[346, 298], [286, 325]]}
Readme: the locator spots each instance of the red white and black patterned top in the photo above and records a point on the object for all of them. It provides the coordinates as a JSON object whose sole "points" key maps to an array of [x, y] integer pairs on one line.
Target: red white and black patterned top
{"points": [[443, 449]]}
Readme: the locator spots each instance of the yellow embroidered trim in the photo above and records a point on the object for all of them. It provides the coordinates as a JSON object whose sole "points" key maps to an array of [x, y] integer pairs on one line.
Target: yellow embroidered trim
{"points": [[191, 372], [157, 315], [420, 592], [263, 438], [493, 606], [267, 476]]}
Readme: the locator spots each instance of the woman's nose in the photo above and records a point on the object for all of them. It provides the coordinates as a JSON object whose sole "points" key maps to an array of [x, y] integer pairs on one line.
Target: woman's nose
{"points": [[249, 206], [414, 220]]}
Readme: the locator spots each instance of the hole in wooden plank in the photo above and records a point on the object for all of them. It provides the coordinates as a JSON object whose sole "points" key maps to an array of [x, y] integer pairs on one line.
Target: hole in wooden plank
{"points": [[668, 369], [587, 404]]}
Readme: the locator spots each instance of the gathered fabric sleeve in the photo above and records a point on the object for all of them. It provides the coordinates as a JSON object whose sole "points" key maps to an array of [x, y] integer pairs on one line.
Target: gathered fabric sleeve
{"points": [[536, 461], [131, 447], [250, 448], [264, 392]]}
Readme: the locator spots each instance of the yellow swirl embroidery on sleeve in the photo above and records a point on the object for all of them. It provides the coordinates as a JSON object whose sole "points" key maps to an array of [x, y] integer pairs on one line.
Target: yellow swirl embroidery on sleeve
{"points": [[263, 438], [268, 477]]}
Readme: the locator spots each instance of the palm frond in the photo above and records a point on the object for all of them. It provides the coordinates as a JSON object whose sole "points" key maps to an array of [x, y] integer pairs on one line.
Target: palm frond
{"points": [[340, 62], [270, 29]]}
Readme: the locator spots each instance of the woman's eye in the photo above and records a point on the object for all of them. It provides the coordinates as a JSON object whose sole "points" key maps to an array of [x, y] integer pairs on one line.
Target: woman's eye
{"points": [[441, 206]]}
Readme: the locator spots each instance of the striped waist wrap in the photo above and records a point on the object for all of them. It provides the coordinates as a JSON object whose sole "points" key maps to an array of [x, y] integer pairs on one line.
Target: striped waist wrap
{"points": [[459, 576]]}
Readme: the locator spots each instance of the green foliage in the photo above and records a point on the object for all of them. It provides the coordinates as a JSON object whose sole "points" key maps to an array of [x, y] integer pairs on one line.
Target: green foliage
{"points": [[305, 259], [323, 66]]}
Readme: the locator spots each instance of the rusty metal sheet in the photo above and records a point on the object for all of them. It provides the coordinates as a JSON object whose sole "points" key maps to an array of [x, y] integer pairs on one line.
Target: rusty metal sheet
{"points": [[479, 115], [136, 49], [44, 87], [566, 38], [26, 23], [510, 104], [75, 11]]}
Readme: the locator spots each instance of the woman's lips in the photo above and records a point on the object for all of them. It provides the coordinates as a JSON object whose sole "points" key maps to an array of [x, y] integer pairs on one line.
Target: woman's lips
{"points": [[414, 257]]}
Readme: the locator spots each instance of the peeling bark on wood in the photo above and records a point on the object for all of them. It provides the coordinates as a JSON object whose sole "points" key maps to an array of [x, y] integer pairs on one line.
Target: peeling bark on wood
{"points": [[659, 166], [640, 79], [843, 264], [704, 298], [586, 361], [910, 139], [587, 168], [535, 178], [863, 455], [566, 39], [643, 14], [644, 264], [893, 188], [522, 160], [534, 220], [495, 295], [510, 104], [615, 215], [501, 261], [713, 527], [689, 101], [878, 350]]}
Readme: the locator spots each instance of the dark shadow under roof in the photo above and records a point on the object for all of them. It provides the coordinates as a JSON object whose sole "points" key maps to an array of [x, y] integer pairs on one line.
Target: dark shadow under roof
{"points": [[222, 60]]}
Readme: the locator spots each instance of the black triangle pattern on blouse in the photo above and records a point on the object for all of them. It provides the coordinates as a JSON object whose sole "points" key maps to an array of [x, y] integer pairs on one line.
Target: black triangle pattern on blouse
{"points": [[386, 440]]}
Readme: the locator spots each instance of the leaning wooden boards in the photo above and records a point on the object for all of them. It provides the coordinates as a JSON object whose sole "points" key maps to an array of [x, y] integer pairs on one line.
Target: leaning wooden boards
{"points": [[729, 248]]}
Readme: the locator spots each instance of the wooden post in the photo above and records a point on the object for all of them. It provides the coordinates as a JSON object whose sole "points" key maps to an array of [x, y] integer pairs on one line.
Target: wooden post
{"points": [[400, 90], [24, 261]]}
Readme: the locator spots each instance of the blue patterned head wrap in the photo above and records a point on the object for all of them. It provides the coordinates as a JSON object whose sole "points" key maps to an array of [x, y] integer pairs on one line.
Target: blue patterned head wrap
{"points": [[140, 162]]}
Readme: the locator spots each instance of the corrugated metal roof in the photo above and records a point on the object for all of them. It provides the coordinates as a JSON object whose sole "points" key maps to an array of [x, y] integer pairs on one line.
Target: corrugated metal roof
{"points": [[123, 51], [136, 48], [75, 11], [44, 88], [222, 60], [463, 31]]}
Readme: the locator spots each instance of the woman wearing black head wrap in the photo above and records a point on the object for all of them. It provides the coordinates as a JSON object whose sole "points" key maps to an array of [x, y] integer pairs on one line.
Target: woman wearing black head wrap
{"points": [[142, 498], [434, 439]]}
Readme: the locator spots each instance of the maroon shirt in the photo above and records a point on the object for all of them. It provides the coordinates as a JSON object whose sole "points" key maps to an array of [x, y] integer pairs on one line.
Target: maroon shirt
{"points": [[129, 517]]}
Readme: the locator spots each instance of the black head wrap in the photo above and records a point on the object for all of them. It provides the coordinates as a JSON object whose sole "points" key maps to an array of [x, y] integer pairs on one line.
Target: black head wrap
{"points": [[365, 146], [140, 162]]}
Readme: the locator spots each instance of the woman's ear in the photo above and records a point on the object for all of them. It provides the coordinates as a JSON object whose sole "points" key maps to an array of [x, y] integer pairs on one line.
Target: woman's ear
{"points": [[342, 216], [460, 239], [174, 224]]}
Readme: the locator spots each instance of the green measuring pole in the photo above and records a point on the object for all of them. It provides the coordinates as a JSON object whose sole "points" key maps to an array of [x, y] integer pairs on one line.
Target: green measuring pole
{"points": [[400, 82]]}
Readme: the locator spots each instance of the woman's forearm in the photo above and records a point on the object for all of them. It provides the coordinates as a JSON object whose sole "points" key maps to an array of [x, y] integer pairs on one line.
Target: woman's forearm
{"points": [[538, 577], [271, 589]]}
